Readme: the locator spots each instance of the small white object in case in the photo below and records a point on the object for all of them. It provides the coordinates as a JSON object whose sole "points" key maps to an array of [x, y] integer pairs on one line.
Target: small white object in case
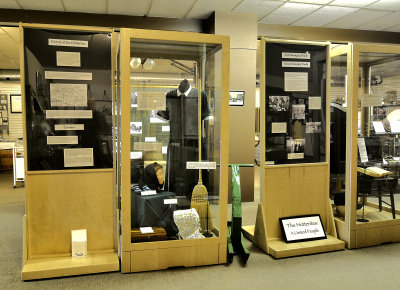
{"points": [[79, 243]]}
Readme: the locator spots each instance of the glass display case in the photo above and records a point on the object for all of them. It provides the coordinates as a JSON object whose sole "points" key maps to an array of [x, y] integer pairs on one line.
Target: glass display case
{"points": [[366, 93], [295, 103], [174, 145], [294, 168]]}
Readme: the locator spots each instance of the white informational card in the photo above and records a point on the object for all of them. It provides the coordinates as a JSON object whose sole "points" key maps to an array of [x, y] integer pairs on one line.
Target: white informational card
{"points": [[150, 139], [136, 155], [269, 162], [59, 140], [148, 192], [67, 58], [147, 146], [171, 201], [378, 127], [295, 156], [201, 165], [68, 42], [296, 82], [69, 114], [66, 75], [301, 64], [302, 228], [78, 157], [314, 103], [362, 149], [146, 230], [165, 128], [296, 55], [149, 102], [371, 100], [79, 243], [395, 127], [164, 150], [67, 127], [280, 127], [68, 95]]}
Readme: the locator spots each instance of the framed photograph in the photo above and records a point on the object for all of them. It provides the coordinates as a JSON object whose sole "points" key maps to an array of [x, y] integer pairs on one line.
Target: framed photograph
{"points": [[236, 98], [302, 228], [3, 99], [16, 103]]}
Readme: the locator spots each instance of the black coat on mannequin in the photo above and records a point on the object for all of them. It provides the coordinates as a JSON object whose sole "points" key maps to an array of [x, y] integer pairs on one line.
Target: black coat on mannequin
{"points": [[182, 113]]}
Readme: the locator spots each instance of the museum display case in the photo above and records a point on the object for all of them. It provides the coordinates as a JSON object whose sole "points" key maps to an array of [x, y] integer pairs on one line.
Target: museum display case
{"points": [[294, 161], [67, 101], [365, 114], [174, 149]]}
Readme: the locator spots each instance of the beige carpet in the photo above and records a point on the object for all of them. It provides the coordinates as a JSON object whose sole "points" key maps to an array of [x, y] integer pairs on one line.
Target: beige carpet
{"points": [[368, 268]]}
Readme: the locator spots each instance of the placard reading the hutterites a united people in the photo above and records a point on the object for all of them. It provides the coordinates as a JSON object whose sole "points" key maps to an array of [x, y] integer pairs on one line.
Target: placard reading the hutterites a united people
{"points": [[302, 228]]}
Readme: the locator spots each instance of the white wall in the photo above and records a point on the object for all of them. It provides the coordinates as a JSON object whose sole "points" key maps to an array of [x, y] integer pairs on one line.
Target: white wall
{"points": [[15, 119]]}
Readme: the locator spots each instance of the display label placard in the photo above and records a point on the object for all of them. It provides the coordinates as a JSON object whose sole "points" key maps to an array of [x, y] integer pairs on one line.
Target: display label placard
{"points": [[68, 42], [171, 201], [201, 165], [303, 64], [296, 55], [302, 228]]}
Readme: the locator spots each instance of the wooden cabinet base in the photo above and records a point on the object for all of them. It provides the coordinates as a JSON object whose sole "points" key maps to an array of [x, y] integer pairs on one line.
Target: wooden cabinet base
{"points": [[280, 249], [158, 259], [68, 266]]}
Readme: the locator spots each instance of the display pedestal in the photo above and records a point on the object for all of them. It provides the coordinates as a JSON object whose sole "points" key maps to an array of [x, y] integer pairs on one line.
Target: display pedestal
{"points": [[69, 266], [294, 172], [71, 200]]}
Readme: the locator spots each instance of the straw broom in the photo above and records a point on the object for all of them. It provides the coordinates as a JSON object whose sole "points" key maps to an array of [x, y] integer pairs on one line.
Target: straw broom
{"points": [[200, 195]]}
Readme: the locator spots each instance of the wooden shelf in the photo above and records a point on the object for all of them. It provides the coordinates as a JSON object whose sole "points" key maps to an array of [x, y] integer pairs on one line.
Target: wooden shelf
{"points": [[69, 266]]}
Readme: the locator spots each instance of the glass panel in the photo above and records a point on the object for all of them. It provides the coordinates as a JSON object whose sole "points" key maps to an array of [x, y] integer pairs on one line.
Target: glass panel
{"points": [[338, 134], [68, 99], [295, 103], [378, 136], [165, 79]]}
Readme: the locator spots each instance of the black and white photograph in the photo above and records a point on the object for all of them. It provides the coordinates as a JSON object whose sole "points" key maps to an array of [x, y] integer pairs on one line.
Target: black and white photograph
{"points": [[298, 112], [236, 98], [279, 103], [313, 127], [295, 148], [136, 128]]}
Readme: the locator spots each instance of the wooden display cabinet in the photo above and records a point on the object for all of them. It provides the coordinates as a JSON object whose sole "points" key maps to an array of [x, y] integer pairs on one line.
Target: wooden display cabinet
{"points": [[290, 186], [61, 200], [197, 56], [367, 71]]}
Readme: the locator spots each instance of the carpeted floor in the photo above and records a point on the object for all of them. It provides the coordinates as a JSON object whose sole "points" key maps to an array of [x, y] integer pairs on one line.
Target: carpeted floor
{"points": [[367, 268]]}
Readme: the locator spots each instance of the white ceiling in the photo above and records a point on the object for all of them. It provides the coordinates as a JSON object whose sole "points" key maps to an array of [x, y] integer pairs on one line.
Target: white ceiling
{"points": [[379, 15]]}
